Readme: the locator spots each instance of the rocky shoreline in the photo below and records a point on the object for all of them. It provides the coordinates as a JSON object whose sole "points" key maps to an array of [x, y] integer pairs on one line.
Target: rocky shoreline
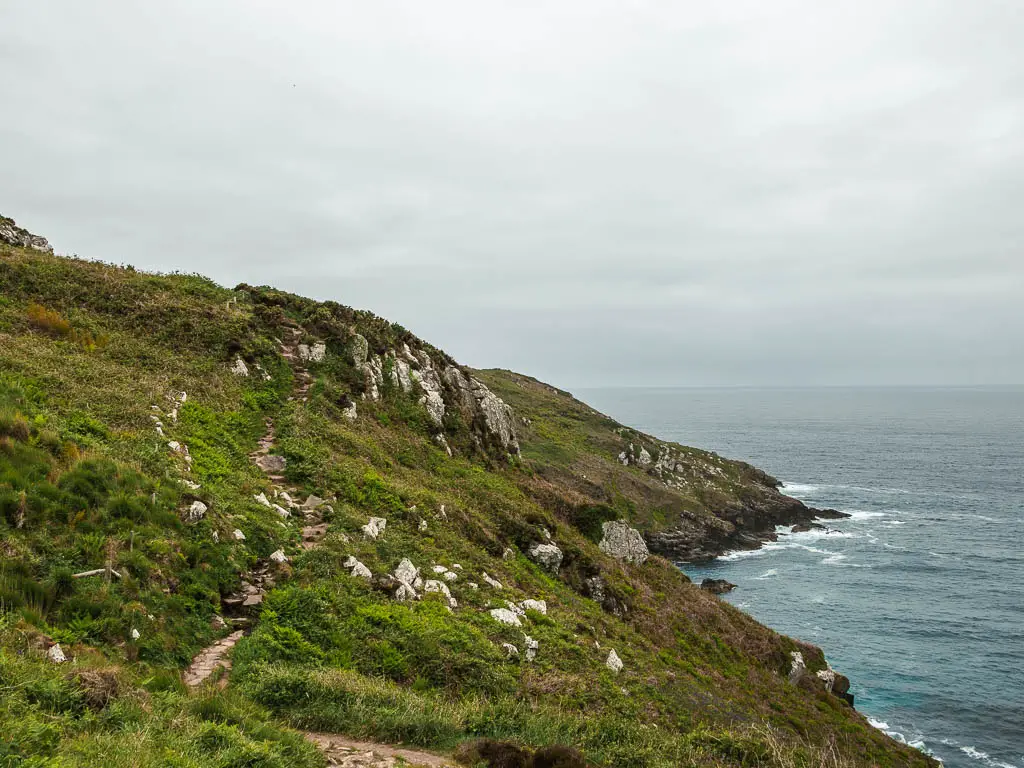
{"points": [[744, 527]]}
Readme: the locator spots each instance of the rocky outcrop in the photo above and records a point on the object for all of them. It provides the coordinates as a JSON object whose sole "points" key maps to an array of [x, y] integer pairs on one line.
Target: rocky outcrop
{"points": [[547, 556], [717, 586], [624, 543], [613, 662], [440, 390], [12, 234]]}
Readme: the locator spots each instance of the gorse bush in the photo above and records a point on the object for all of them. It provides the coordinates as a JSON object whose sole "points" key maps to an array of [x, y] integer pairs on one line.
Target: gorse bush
{"points": [[53, 323]]}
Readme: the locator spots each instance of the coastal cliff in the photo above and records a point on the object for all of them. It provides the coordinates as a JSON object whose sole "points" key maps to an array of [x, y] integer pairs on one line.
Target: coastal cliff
{"points": [[232, 520]]}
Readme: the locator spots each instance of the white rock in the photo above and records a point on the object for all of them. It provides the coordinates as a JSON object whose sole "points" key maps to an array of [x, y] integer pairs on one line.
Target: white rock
{"points": [[240, 368], [624, 543], [535, 605], [406, 572], [450, 576], [547, 556], [135, 634], [438, 568], [417, 583], [261, 498], [532, 646], [239, 536], [174, 445], [350, 412], [442, 513], [405, 592], [624, 458], [282, 511], [508, 554], [359, 349], [423, 525], [362, 572], [56, 654], [278, 556], [613, 662], [798, 668], [216, 537], [472, 585], [312, 502], [827, 676], [505, 616], [375, 527], [314, 354], [196, 512], [515, 608], [190, 484], [432, 585], [645, 457], [510, 650], [456, 567], [491, 582]]}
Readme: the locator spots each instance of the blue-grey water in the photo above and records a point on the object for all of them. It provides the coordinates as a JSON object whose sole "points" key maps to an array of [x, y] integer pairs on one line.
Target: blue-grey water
{"points": [[919, 596]]}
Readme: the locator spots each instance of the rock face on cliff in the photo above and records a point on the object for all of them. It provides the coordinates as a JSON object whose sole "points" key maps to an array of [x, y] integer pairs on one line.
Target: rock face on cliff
{"points": [[12, 234], [441, 390]]}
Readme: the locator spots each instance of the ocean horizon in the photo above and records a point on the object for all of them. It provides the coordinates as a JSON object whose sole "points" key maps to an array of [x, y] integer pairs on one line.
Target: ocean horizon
{"points": [[917, 596]]}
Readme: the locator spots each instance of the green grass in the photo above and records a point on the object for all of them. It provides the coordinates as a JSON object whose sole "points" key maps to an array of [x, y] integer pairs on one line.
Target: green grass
{"points": [[85, 480]]}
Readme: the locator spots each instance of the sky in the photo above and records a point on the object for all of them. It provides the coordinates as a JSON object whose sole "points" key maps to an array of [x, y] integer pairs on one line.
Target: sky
{"points": [[758, 192]]}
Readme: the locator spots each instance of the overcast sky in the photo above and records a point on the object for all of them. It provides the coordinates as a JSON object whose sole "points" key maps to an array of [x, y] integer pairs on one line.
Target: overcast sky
{"points": [[751, 192]]}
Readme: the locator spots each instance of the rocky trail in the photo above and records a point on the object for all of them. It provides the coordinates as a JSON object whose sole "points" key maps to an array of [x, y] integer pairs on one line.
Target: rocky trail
{"points": [[340, 752], [255, 583]]}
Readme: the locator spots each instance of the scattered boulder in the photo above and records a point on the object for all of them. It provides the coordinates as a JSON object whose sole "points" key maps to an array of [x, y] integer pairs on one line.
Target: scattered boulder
{"points": [[239, 536], [613, 662], [282, 511], [197, 511], [312, 502], [433, 585], [239, 368], [510, 650], [313, 354], [375, 527], [406, 572], [547, 556], [532, 646], [491, 582], [56, 654], [717, 586], [405, 592], [596, 588], [624, 542], [357, 568], [505, 616], [278, 556], [508, 554], [535, 605], [261, 498]]}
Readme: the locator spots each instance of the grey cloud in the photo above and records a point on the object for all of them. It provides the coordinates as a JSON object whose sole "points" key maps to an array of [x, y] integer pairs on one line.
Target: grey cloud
{"points": [[599, 192]]}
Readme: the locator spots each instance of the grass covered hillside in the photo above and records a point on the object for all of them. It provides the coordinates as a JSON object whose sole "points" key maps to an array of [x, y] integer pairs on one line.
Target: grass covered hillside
{"points": [[690, 504], [366, 538]]}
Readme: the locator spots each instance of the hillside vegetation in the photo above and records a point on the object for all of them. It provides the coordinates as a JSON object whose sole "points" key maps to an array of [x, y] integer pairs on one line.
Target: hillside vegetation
{"points": [[131, 407]]}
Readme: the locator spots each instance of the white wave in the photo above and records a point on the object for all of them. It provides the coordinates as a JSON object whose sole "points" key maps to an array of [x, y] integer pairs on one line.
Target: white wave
{"points": [[833, 559], [741, 554], [977, 754], [893, 522], [816, 533], [893, 547], [882, 726], [863, 514], [767, 574], [792, 488]]}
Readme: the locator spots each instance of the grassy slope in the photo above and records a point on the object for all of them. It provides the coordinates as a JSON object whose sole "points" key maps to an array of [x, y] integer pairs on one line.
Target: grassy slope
{"points": [[573, 454], [84, 480]]}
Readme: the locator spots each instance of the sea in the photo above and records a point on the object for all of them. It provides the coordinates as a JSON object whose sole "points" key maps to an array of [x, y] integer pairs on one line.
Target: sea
{"points": [[918, 597]]}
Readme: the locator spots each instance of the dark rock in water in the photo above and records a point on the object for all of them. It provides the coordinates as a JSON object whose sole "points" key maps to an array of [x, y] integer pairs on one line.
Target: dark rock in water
{"points": [[717, 586]]}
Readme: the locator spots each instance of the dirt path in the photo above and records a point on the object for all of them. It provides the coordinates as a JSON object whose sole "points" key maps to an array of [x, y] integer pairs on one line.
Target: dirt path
{"points": [[341, 752], [348, 753], [256, 582]]}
